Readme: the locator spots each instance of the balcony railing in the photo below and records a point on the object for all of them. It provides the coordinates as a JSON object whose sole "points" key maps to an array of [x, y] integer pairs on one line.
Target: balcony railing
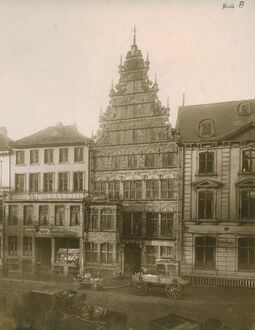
{"points": [[38, 195]]}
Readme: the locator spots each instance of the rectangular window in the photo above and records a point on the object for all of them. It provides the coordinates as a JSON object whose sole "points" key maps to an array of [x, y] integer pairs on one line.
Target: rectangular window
{"points": [[78, 154], [63, 181], [107, 219], [205, 204], [48, 156], [165, 251], [106, 253], [166, 226], [248, 160], [20, 157], [93, 219], [132, 189], [27, 246], [28, 214], [75, 215], [63, 155], [13, 215], [99, 188], [167, 189], [12, 245], [152, 224], [152, 189], [91, 252], [151, 254], [78, 181], [34, 182], [206, 163], [205, 249], [113, 189], [149, 160], [43, 215], [247, 209], [168, 159], [116, 161], [19, 182], [132, 161], [34, 156], [48, 182], [59, 215], [246, 253]]}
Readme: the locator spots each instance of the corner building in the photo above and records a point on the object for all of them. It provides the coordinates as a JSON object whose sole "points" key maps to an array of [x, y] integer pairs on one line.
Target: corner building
{"points": [[133, 215]]}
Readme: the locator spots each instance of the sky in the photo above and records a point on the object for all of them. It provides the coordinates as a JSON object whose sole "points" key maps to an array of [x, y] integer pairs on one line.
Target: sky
{"points": [[58, 57]]}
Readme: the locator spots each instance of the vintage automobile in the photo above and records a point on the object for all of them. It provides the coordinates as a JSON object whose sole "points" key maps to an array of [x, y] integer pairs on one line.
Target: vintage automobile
{"points": [[163, 274]]}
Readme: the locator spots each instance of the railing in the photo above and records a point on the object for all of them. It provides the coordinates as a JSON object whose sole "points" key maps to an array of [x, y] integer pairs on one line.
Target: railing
{"points": [[204, 280], [27, 195]]}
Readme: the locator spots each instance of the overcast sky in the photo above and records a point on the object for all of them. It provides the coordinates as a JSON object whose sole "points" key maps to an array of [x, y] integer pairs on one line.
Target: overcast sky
{"points": [[57, 58]]}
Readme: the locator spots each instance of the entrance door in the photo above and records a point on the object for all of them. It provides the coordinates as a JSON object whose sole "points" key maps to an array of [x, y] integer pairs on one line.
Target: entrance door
{"points": [[132, 258], [43, 255]]}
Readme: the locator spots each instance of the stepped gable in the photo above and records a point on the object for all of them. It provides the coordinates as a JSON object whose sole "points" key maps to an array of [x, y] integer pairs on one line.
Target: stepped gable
{"points": [[51, 136], [229, 120]]}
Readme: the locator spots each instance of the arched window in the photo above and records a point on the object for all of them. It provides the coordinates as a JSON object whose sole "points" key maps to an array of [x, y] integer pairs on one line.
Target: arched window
{"points": [[206, 128]]}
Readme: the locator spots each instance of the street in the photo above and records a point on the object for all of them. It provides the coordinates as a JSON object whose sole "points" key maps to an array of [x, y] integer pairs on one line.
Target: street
{"points": [[234, 307]]}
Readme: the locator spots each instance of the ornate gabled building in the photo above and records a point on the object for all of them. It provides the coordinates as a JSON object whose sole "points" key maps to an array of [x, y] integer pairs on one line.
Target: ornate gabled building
{"points": [[218, 149], [133, 220]]}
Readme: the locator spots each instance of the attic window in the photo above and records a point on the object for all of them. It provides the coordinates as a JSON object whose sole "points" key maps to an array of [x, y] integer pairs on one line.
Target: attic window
{"points": [[244, 109], [206, 128]]}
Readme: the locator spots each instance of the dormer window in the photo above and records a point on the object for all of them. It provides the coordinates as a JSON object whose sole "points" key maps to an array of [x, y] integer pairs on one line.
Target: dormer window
{"points": [[206, 128], [244, 109]]}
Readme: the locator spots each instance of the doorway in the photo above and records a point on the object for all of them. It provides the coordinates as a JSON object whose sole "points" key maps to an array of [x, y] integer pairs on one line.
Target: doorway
{"points": [[132, 258], [43, 255]]}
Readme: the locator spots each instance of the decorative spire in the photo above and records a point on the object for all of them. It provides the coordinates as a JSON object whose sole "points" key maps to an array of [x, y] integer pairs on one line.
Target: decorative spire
{"points": [[167, 103], [134, 38]]}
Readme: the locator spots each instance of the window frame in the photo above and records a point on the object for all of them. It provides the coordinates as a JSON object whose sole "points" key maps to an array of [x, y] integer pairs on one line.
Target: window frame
{"points": [[206, 163], [20, 157], [46, 181], [34, 186], [74, 211], [59, 211], [249, 208], [63, 186], [250, 159], [63, 155], [23, 186], [45, 221], [78, 154], [213, 204], [204, 247], [78, 182], [28, 216], [250, 250], [48, 156]]}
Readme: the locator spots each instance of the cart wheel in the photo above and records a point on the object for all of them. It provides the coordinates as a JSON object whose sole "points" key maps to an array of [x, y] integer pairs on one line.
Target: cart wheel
{"points": [[173, 290], [140, 288]]}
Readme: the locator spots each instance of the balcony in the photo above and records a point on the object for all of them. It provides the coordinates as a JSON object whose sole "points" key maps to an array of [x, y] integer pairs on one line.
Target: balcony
{"points": [[42, 195]]}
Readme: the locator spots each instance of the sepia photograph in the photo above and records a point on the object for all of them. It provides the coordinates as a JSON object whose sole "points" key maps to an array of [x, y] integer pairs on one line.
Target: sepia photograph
{"points": [[127, 165]]}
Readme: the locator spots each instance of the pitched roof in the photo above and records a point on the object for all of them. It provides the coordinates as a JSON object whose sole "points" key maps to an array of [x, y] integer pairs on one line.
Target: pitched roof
{"points": [[51, 136], [225, 116], [4, 142]]}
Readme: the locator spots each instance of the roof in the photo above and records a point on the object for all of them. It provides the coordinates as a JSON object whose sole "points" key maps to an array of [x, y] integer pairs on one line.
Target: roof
{"points": [[227, 121], [53, 136], [4, 142]]}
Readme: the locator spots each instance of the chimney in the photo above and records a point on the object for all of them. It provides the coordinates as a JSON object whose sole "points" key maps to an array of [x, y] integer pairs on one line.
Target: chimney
{"points": [[3, 131]]}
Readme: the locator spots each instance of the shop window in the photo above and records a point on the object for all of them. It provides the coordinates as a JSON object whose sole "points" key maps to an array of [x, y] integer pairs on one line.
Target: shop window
{"points": [[78, 181], [205, 251], [132, 189], [43, 215], [93, 219], [166, 225], [113, 189], [34, 182], [107, 219], [20, 157], [63, 155], [67, 251], [206, 128], [206, 163], [63, 182], [91, 252], [167, 189], [152, 189], [151, 254], [59, 215], [28, 214], [48, 156], [75, 215], [13, 215], [19, 182], [168, 159], [152, 224], [48, 182], [106, 253], [248, 161], [149, 160], [206, 200], [246, 253], [27, 246], [132, 161], [78, 154], [247, 207], [12, 245], [34, 156]]}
